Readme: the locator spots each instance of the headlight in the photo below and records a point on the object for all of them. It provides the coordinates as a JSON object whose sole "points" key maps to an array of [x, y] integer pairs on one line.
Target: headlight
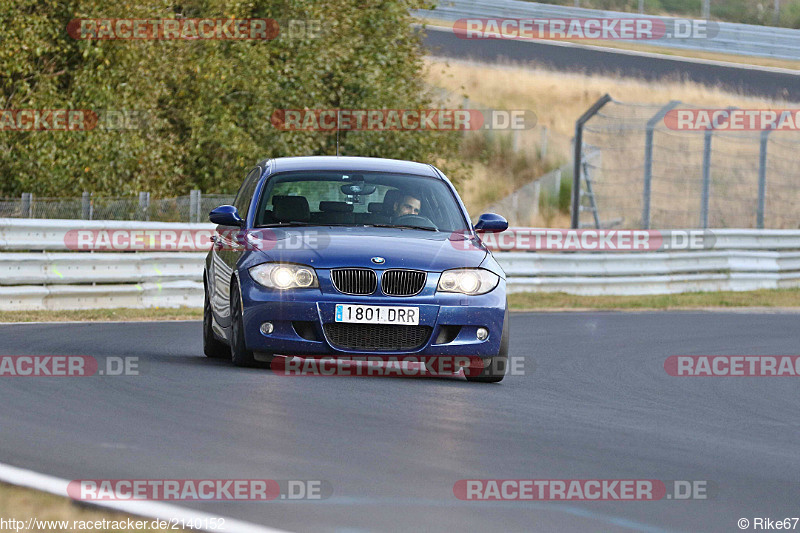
{"points": [[468, 281], [284, 276]]}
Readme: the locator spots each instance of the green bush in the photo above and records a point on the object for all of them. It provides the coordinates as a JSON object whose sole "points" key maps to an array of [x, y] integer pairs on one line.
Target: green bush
{"points": [[208, 103]]}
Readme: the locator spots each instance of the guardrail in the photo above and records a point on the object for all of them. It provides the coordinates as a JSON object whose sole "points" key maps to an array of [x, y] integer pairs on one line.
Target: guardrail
{"points": [[732, 38], [739, 260]]}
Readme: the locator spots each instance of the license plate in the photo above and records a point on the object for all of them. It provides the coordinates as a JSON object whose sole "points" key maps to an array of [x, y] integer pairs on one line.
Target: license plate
{"points": [[377, 314]]}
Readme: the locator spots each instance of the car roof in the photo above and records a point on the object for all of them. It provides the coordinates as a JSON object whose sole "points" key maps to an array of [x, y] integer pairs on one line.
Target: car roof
{"points": [[363, 164]]}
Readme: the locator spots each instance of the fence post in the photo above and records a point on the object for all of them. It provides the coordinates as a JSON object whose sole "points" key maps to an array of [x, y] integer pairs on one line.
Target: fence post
{"points": [[86, 205], [641, 7], [709, 133], [144, 205], [762, 179], [194, 205], [648, 159], [706, 178], [578, 155], [706, 9], [26, 205]]}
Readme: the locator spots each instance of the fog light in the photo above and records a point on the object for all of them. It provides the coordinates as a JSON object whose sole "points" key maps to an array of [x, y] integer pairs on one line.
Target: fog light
{"points": [[482, 334], [266, 328]]}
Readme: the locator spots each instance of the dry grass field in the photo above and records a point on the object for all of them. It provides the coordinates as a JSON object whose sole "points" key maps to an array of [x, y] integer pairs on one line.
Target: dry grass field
{"points": [[558, 99]]}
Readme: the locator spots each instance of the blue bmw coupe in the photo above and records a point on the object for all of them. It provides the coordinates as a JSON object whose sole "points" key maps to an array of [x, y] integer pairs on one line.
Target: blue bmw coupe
{"points": [[352, 257]]}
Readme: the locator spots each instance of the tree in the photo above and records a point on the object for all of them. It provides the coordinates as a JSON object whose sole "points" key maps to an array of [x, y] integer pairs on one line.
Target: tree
{"points": [[198, 110]]}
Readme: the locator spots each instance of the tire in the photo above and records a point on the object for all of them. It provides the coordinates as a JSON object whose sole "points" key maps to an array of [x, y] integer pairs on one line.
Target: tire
{"points": [[239, 353], [494, 368], [212, 347]]}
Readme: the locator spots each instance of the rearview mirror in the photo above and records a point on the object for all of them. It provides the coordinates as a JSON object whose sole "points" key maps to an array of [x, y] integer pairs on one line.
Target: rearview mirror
{"points": [[358, 189], [491, 223], [226, 215]]}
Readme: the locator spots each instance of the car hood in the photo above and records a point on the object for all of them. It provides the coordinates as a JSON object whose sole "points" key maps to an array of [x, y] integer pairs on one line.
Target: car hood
{"points": [[330, 247]]}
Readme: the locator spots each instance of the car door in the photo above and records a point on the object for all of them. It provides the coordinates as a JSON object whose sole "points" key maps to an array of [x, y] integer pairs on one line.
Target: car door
{"points": [[228, 249]]}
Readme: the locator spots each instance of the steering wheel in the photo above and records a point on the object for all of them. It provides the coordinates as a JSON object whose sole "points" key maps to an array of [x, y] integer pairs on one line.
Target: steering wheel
{"points": [[414, 220]]}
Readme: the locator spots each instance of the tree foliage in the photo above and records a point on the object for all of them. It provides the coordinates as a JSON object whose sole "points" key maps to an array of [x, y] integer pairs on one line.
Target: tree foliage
{"points": [[204, 106]]}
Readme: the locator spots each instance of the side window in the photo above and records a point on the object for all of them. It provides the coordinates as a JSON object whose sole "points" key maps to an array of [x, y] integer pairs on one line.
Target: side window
{"points": [[245, 195]]}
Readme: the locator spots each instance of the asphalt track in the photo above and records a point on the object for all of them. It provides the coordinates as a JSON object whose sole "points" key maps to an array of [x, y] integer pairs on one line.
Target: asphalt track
{"points": [[594, 403], [770, 83]]}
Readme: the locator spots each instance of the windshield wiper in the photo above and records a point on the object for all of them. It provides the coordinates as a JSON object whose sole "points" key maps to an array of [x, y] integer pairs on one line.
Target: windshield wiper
{"points": [[405, 226], [287, 225]]}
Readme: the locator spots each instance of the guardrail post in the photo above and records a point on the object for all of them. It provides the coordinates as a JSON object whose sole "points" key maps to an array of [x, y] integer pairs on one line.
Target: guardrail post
{"points": [[27, 205], [86, 205], [762, 179], [578, 155], [144, 205], [648, 159]]}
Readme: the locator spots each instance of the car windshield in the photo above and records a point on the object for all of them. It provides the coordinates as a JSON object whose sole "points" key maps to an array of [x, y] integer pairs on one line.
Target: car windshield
{"points": [[327, 198]]}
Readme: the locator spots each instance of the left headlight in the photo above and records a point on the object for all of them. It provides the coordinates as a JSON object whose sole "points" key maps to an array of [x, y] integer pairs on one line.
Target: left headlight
{"points": [[284, 276], [468, 281]]}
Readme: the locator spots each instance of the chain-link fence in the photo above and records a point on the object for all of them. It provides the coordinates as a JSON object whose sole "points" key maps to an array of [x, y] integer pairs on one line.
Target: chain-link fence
{"points": [[191, 208], [679, 166]]}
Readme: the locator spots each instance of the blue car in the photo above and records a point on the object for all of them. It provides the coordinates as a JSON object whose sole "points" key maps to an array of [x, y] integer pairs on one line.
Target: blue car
{"points": [[353, 257]]}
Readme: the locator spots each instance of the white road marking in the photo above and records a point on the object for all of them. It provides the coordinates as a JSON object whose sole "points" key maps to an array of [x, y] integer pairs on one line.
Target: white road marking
{"points": [[152, 510]]}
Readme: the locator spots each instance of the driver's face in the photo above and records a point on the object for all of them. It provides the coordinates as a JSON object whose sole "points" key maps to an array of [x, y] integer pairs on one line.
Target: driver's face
{"points": [[407, 206]]}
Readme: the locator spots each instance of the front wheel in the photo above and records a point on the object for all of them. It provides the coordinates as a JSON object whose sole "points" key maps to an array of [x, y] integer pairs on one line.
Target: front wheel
{"points": [[493, 368], [240, 355], [213, 348]]}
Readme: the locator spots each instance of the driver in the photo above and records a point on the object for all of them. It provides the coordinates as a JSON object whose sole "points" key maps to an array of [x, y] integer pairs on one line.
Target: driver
{"points": [[408, 204]]}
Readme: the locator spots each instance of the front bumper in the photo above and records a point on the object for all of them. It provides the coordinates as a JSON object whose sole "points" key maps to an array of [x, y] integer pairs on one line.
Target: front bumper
{"points": [[311, 308]]}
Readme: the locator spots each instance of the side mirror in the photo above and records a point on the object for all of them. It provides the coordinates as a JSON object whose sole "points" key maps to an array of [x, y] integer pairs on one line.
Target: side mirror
{"points": [[491, 223], [226, 215]]}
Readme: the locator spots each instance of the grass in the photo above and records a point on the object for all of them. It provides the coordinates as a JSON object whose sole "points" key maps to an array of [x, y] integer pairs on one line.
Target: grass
{"points": [[103, 315], [558, 98], [779, 298], [23, 504]]}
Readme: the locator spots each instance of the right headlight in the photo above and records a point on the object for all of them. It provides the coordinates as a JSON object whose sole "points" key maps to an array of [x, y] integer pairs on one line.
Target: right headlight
{"points": [[283, 276], [468, 281]]}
